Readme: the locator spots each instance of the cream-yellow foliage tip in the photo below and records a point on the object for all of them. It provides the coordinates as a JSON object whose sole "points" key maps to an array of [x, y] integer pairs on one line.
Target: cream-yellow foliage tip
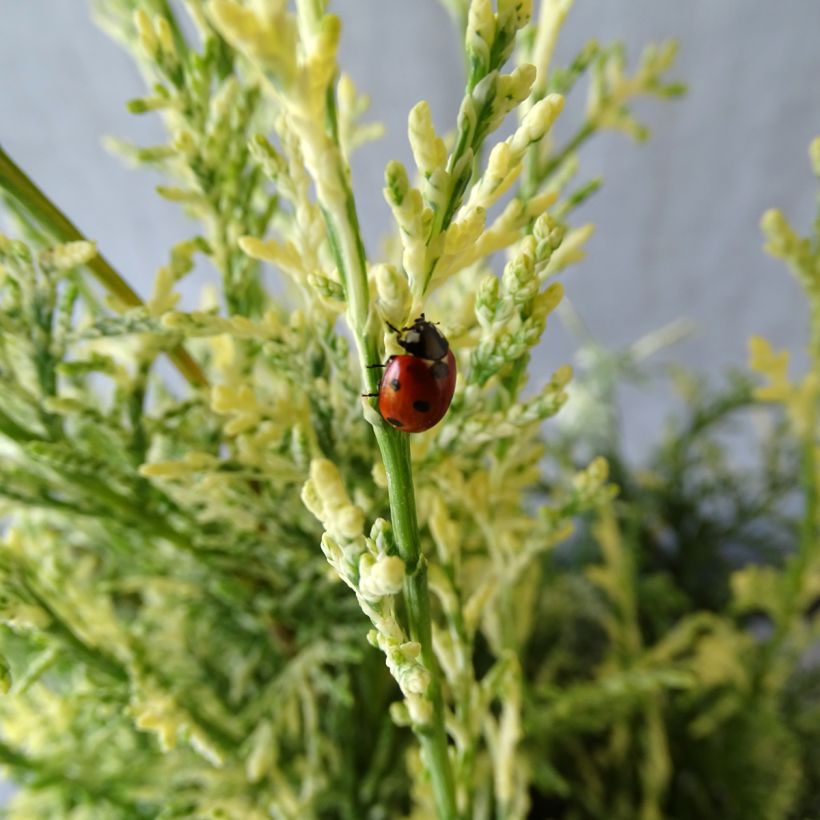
{"points": [[814, 155], [380, 576], [68, 255]]}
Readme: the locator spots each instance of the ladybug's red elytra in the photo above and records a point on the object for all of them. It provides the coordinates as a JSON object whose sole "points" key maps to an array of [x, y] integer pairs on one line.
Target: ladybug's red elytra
{"points": [[416, 389]]}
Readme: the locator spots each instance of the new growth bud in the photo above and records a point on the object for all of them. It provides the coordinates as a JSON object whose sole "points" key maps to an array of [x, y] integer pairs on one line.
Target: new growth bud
{"points": [[428, 148]]}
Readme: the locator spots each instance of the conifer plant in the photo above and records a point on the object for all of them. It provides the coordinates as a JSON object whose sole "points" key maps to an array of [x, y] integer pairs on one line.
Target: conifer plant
{"points": [[231, 590]]}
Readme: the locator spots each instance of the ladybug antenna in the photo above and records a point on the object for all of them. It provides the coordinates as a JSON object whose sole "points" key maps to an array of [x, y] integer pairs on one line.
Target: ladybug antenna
{"points": [[394, 328]]}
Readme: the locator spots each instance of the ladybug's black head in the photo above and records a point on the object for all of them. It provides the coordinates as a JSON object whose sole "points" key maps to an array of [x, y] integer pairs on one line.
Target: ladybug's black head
{"points": [[425, 340]]}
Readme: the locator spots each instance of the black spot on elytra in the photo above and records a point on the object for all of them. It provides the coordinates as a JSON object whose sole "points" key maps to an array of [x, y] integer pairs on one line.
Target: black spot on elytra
{"points": [[394, 422], [440, 370], [421, 406], [394, 383]]}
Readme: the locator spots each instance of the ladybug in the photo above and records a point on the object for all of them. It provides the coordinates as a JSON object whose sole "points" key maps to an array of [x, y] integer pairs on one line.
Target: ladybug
{"points": [[416, 389]]}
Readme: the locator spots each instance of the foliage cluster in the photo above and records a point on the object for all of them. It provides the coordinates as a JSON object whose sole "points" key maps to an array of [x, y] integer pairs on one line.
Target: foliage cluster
{"points": [[232, 598]]}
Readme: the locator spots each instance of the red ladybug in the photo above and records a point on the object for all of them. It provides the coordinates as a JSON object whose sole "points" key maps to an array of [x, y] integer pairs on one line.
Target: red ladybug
{"points": [[416, 389]]}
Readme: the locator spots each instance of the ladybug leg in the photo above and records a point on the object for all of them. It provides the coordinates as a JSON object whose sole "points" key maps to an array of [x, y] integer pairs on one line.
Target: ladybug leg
{"points": [[371, 366], [370, 395]]}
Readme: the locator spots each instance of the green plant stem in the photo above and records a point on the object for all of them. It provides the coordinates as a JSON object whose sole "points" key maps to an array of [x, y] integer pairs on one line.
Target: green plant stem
{"points": [[580, 137], [444, 215], [800, 562], [167, 11], [808, 535], [348, 249], [55, 222], [808, 530], [395, 450], [469, 138]]}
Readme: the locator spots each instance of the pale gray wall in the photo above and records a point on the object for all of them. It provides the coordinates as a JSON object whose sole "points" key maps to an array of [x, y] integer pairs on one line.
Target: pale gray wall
{"points": [[677, 219]]}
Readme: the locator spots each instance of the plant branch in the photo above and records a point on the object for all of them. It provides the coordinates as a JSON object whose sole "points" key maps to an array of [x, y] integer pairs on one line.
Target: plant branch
{"points": [[395, 450], [55, 222], [578, 139], [349, 253]]}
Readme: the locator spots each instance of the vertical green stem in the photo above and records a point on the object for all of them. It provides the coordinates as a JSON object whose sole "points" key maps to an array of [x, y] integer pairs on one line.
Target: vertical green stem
{"points": [[15, 182], [577, 140], [395, 452], [344, 236], [795, 574], [808, 532], [166, 10]]}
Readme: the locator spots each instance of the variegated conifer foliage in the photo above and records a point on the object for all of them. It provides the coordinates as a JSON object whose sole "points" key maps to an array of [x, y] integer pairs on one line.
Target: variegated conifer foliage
{"points": [[789, 593], [177, 641]]}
